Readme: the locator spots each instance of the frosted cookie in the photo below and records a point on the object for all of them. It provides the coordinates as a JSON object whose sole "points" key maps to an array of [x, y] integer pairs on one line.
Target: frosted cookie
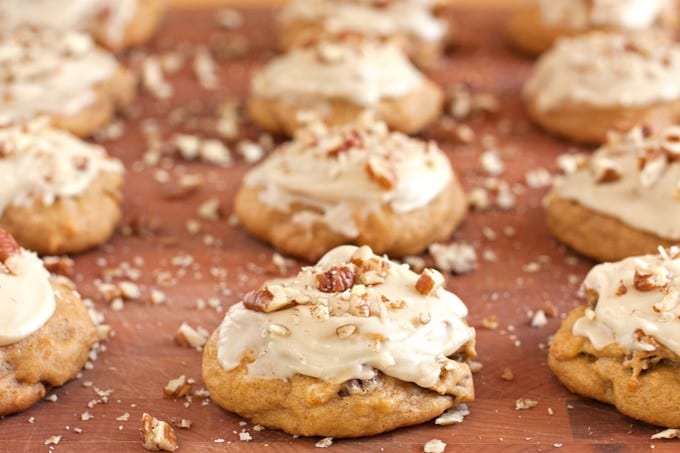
{"points": [[624, 200], [535, 27], [115, 24], [336, 81], [357, 184], [411, 23], [623, 348], [589, 84], [45, 330], [354, 346], [62, 75], [58, 193]]}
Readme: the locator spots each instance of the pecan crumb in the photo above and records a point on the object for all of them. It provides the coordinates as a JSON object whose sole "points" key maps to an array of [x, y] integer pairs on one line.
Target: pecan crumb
{"points": [[381, 173], [8, 246], [178, 387], [336, 280], [507, 374], [157, 435], [429, 281], [258, 299], [621, 290], [525, 403]]}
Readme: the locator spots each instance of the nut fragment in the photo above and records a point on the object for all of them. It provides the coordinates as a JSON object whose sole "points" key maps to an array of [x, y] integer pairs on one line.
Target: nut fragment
{"points": [[258, 299], [650, 279], [178, 387], [190, 337], [8, 246], [157, 435], [381, 173], [429, 281], [336, 280], [346, 330]]}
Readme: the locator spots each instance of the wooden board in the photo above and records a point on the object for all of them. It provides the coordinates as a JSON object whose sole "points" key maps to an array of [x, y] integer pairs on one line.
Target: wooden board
{"points": [[141, 357]]}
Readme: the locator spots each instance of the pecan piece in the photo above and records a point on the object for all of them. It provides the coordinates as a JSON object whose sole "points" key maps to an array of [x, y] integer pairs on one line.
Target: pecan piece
{"points": [[258, 299], [157, 435], [380, 172], [8, 246], [336, 279], [429, 282]]}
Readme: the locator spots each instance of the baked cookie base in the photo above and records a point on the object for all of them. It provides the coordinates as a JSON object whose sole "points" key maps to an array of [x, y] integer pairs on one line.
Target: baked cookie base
{"points": [[308, 406], [70, 224], [589, 124], [598, 236], [50, 356], [298, 33], [396, 234], [110, 96], [653, 397], [409, 114]]}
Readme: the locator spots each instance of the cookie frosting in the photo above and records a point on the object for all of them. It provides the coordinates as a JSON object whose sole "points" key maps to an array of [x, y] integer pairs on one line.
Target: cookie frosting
{"points": [[584, 14], [363, 73], [41, 163], [332, 171], [369, 17], [634, 178], [606, 70], [49, 72], [352, 314], [26, 297], [108, 17], [638, 298]]}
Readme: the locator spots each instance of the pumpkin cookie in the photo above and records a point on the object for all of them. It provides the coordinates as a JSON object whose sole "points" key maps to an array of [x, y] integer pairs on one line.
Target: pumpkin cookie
{"points": [[354, 346], [114, 24], [45, 330], [624, 348], [410, 23], [336, 81], [624, 200], [62, 75], [535, 27], [59, 194], [590, 84], [356, 184]]}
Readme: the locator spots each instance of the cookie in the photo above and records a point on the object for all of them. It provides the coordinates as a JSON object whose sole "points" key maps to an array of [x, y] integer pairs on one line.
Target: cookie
{"points": [[536, 26], [410, 23], [623, 200], [336, 81], [354, 346], [358, 184], [623, 348], [45, 331], [62, 75], [592, 83], [115, 24], [59, 193]]}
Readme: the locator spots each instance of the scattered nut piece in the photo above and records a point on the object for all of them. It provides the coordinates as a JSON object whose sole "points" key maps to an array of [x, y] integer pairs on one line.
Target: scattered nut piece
{"points": [[157, 435], [429, 282], [458, 257], [324, 443], [525, 403], [671, 433], [52, 440], [434, 446], [189, 337], [453, 415], [178, 387], [539, 319], [507, 374]]}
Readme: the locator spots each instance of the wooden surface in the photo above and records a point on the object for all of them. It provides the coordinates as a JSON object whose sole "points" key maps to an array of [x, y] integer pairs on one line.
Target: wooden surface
{"points": [[141, 357], [251, 3]]}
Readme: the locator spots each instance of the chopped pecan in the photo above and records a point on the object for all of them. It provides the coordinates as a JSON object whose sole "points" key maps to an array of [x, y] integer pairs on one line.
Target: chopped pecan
{"points": [[258, 299], [621, 290], [351, 140], [429, 282], [380, 172], [647, 280], [8, 246], [157, 435], [337, 279]]}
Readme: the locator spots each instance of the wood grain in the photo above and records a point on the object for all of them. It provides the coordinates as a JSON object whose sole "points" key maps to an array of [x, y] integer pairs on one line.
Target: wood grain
{"points": [[141, 357]]}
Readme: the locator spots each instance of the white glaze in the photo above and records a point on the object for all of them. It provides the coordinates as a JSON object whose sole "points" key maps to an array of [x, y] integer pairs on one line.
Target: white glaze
{"points": [[41, 163], [605, 70], [49, 72], [409, 350], [306, 171], [363, 73], [26, 297], [640, 199], [408, 17], [616, 318], [584, 14]]}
